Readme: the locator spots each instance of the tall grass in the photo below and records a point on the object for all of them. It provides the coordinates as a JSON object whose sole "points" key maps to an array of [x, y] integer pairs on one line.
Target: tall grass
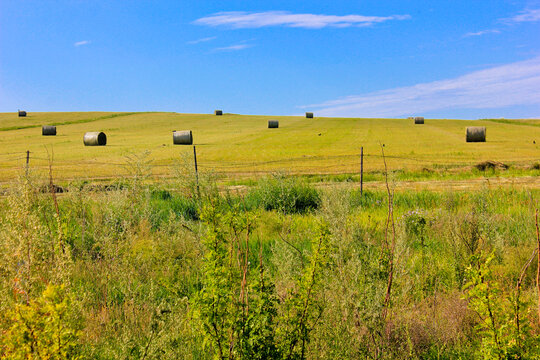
{"points": [[136, 268]]}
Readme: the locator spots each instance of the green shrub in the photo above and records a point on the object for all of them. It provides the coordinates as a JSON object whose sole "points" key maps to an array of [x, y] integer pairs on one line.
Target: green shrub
{"points": [[42, 329], [503, 327], [415, 226], [284, 194], [162, 203], [237, 306]]}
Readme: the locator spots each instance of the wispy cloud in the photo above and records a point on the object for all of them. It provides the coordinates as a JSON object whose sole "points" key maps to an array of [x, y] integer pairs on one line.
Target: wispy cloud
{"points": [[81, 43], [206, 39], [234, 47], [482, 32], [529, 15], [242, 19], [506, 85]]}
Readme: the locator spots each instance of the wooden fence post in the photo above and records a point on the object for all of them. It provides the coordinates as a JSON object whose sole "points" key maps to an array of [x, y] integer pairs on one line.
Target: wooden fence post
{"points": [[361, 170], [27, 161]]}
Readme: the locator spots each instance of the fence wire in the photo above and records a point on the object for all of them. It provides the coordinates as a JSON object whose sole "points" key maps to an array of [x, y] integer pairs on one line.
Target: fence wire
{"points": [[13, 163]]}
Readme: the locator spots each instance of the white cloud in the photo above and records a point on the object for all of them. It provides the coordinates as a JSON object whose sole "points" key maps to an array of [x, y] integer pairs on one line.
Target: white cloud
{"points": [[529, 15], [206, 39], [242, 19], [483, 32], [233, 47], [81, 43], [512, 84]]}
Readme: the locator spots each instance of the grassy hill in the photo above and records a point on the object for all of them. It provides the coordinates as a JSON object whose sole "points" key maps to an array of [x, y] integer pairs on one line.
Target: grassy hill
{"points": [[243, 145]]}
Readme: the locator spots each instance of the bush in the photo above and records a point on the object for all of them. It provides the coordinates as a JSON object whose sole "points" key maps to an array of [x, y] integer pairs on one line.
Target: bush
{"points": [[43, 329], [285, 194], [163, 203], [415, 226], [237, 309]]}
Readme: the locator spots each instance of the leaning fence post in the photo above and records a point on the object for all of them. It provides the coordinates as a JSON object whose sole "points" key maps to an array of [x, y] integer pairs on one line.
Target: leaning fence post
{"points": [[361, 170], [27, 161]]}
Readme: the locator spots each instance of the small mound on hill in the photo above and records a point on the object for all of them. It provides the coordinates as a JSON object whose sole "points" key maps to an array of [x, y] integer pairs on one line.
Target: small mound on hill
{"points": [[491, 165]]}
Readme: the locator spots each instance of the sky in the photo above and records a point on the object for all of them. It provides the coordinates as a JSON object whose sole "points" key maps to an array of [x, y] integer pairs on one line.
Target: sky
{"points": [[340, 58]]}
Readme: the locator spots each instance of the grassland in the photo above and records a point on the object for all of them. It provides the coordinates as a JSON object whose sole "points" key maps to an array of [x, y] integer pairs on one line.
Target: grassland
{"points": [[445, 267], [243, 146]]}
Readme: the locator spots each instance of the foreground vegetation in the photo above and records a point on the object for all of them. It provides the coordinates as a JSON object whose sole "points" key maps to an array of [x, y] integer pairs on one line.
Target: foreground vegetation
{"points": [[282, 271]]}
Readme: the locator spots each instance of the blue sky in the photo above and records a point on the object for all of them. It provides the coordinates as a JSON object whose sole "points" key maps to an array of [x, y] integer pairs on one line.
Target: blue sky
{"points": [[440, 59]]}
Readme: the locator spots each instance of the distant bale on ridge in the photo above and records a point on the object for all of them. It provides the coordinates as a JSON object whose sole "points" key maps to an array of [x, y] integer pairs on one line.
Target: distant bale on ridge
{"points": [[22, 113], [476, 134], [419, 120], [309, 115], [273, 124], [95, 138], [184, 137], [218, 112], [48, 130]]}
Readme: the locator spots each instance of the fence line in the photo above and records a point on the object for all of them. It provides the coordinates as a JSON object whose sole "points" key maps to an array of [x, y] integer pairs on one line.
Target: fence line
{"points": [[307, 164], [235, 163]]}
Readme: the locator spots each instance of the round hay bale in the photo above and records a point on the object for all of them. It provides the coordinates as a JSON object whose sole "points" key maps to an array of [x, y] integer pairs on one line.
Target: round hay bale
{"points": [[218, 112], [22, 113], [273, 124], [419, 120], [182, 137], [476, 134], [48, 130], [309, 115], [95, 138], [410, 118]]}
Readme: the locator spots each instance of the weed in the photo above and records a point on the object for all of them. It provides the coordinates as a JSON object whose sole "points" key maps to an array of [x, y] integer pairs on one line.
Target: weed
{"points": [[286, 195]]}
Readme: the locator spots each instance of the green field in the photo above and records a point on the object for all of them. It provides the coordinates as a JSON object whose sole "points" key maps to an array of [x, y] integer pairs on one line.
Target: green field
{"points": [[241, 265], [242, 145]]}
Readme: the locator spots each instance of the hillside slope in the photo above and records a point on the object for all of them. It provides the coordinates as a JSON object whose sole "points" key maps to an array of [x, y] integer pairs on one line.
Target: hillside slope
{"points": [[242, 144]]}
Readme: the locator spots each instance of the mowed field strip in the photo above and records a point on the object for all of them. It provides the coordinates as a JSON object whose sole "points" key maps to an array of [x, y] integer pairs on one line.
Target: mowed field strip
{"points": [[243, 144]]}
